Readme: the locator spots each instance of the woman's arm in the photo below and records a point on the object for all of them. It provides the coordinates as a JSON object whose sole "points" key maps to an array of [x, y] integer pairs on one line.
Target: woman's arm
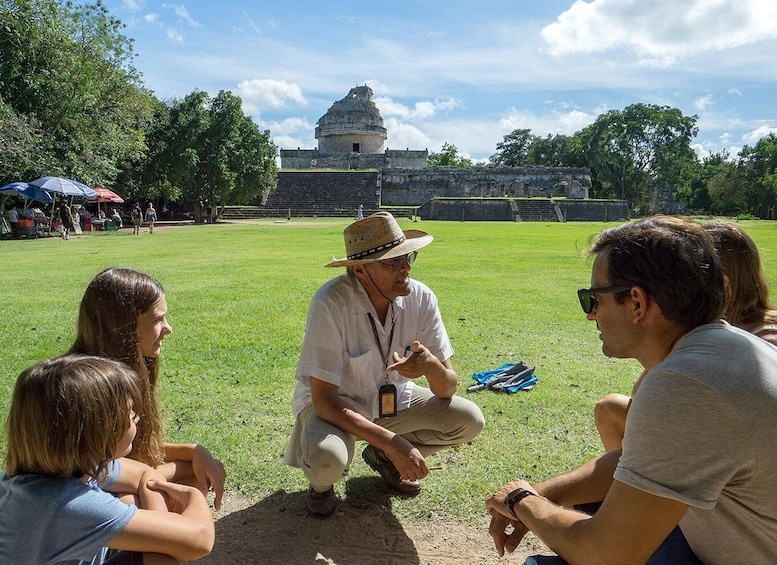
{"points": [[186, 533], [193, 464]]}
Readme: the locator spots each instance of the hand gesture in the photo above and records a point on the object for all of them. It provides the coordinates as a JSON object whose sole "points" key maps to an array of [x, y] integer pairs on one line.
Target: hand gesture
{"points": [[415, 362]]}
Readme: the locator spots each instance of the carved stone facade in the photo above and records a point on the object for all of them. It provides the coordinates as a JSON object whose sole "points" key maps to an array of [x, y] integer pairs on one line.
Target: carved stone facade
{"points": [[351, 137]]}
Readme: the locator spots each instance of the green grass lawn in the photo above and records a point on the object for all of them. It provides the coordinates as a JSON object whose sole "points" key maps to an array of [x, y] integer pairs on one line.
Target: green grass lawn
{"points": [[238, 296]]}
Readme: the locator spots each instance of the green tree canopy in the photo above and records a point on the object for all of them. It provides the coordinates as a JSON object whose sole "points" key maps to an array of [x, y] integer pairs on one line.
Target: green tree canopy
{"points": [[67, 73], [213, 152], [448, 157], [635, 152]]}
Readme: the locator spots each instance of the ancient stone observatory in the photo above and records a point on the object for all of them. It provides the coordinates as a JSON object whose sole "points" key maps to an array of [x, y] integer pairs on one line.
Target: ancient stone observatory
{"points": [[351, 125], [350, 136]]}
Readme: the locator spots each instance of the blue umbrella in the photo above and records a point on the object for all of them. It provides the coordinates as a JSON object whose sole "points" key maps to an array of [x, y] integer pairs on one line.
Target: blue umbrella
{"points": [[25, 190], [65, 187]]}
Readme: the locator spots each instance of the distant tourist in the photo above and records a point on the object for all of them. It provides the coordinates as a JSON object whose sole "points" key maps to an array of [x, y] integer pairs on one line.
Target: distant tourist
{"points": [[360, 212], [137, 218], [150, 217]]}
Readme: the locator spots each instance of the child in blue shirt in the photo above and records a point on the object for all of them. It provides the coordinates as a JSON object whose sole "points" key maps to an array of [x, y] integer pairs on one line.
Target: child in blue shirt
{"points": [[70, 419]]}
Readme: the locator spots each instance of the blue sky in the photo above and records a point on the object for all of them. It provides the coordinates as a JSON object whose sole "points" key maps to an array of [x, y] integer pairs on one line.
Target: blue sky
{"points": [[468, 73]]}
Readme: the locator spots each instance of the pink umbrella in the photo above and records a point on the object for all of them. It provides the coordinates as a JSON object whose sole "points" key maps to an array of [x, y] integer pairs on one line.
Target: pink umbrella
{"points": [[106, 195]]}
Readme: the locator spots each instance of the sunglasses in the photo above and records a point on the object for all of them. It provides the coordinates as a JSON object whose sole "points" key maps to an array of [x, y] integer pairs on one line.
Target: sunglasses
{"points": [[587, 296], [399, 262]]}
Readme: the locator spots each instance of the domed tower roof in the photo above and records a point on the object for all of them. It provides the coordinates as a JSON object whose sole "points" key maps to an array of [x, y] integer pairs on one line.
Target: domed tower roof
{"points": [[352, 124]]}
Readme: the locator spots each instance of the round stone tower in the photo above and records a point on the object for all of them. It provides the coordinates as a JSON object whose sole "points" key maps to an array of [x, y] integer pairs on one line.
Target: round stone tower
{"points": [[351, 125]]}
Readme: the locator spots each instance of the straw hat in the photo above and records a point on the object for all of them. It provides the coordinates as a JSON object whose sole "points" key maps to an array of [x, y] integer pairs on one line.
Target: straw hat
{"points": [[379, 237]]}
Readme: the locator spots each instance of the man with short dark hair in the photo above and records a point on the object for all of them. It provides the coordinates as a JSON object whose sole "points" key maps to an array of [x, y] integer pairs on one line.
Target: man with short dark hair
{"points": [[370, 333], [700, 448]]}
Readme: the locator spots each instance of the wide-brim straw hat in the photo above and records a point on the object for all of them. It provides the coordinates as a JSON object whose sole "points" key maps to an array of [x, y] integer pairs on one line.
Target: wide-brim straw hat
{"points": [[379, 237]]}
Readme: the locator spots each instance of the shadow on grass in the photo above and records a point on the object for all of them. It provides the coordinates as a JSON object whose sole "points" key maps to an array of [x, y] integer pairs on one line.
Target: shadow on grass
{"points": [[276, 531]]}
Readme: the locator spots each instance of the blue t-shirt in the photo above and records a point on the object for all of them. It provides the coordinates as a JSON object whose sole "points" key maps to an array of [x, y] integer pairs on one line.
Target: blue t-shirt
{"points": [[57, 520]]}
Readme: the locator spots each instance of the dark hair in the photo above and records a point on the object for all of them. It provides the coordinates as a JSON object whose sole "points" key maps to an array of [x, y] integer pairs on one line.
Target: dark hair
{"points": [[673, 260], [68, 415], [748, 301], [108, 326]]}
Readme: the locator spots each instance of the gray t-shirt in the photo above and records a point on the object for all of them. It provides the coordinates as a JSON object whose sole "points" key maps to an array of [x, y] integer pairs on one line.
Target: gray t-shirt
{"points": [[702, 429], [48, 520]]}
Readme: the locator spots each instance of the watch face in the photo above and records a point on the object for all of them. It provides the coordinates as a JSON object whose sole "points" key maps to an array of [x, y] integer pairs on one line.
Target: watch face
{"points": [[514, 497]]}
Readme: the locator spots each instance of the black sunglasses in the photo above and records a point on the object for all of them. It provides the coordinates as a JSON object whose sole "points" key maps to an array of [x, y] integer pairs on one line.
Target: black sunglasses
{"points": [[587, 296]]}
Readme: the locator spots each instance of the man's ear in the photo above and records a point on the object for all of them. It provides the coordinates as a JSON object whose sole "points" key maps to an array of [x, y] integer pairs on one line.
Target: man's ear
{"points": [[359, 270], [640, 302]]}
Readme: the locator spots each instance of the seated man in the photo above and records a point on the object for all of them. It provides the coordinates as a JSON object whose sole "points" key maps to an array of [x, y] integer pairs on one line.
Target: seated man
{"points": [[355, 384], [698, 448]]}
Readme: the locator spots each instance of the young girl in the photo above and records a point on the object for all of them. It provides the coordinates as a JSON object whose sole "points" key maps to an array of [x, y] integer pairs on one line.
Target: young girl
{"points": [[123, 316], [70, 417]]}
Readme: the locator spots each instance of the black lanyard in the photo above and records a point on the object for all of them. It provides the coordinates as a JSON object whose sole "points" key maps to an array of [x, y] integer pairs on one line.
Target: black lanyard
{"points": [[377, 338]]}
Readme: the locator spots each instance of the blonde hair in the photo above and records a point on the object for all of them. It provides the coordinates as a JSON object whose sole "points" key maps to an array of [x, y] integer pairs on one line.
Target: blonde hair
{"points": [[68, 415], [108, 326], [748, 299]]}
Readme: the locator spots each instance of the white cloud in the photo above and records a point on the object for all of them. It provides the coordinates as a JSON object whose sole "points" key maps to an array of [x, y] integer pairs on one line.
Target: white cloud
{"points": [[134, 5], [423, 110], [182, 13], [151, 18], [564, 122], [661, 30], [174, 36], [405, 136], [703, 102], [259, 95], [752, 137], [290, 126]]}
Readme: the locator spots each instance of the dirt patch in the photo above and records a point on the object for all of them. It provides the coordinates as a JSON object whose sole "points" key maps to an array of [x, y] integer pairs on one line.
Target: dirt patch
{"points": [[275, 531]]}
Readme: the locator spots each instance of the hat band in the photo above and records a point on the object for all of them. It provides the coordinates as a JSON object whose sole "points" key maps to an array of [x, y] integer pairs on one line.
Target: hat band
{"points": [[376, 249]]}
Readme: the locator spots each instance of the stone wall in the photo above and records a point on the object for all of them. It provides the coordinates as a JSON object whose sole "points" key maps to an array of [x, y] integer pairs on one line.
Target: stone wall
{"points": [[522, 210], [391, 158], [414, 187]]}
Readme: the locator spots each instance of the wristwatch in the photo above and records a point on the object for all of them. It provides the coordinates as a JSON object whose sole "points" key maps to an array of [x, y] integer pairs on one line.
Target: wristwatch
{"points": [[514, 497]]}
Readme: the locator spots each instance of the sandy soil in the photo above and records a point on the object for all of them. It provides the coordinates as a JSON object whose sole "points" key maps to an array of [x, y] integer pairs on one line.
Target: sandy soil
{"points": [[275, 531]]}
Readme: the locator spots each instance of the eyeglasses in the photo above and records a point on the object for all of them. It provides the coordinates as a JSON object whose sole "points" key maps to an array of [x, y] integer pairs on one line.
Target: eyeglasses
{"points": [[399, 262], [587, 296]]}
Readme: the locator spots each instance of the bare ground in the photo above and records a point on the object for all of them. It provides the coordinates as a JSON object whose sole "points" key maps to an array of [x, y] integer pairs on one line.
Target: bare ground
{"points": [[275, 531]]}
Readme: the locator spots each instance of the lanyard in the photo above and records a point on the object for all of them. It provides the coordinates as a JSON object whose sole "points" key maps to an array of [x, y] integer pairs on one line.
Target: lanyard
{"points": [[377, 338]]}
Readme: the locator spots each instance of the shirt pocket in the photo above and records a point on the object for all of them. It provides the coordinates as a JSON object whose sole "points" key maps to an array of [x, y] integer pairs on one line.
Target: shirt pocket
{"points": [[363, 376]]}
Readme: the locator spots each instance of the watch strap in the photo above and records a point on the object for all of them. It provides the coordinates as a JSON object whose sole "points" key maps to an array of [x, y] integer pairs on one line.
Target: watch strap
{"points": [[514, 497]]}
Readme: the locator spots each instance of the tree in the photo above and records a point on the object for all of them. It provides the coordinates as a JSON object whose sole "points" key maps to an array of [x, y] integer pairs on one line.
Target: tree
{"points": [[448, 157], [757, 176], [513, 150], [693, 190], [68, 70], [638, 151], [554, 151], [214, 153]]}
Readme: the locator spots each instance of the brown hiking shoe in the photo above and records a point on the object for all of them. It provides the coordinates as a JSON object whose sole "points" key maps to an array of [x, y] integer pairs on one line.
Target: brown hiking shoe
{"points": [[376, 459], [321, 504]]}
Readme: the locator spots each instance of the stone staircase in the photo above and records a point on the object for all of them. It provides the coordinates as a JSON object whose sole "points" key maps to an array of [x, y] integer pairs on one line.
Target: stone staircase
{"points": [[535, 210], [330, 194]]}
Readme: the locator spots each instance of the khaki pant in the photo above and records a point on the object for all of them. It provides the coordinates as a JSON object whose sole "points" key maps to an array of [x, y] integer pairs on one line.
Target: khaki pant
{"points": [[324, 452]]}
